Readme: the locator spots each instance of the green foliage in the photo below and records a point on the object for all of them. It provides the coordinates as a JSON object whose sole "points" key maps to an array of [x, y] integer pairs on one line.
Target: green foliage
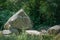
{"points": [[4, 16], [2, 1], [40, 13]]}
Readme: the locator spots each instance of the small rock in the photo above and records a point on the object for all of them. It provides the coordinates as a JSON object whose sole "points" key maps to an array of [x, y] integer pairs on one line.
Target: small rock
{"points": [[32, 32], [6, 32]]}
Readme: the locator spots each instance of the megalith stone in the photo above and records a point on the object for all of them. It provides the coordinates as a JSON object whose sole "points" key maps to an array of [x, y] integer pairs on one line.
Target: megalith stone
{"points": [[19, 20]]}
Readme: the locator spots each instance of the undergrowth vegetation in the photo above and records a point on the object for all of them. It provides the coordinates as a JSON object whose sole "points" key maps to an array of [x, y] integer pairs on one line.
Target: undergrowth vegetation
{"points": [[25, 36]]}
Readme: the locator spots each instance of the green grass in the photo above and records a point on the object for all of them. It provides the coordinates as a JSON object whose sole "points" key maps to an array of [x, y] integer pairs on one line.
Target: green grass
{"points": [[24, 36]]}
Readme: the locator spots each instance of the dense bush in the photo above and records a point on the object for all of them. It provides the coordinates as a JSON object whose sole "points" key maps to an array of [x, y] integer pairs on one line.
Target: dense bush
{"points": [[40, 13], [4, 16]]}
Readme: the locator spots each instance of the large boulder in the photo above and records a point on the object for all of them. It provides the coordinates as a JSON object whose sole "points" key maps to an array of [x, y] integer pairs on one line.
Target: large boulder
{"points": [[54, 30], [19, 21]]}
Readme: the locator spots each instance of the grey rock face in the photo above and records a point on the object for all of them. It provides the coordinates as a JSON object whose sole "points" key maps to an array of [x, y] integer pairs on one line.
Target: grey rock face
{"points": [[20, 20], [54, 30]]}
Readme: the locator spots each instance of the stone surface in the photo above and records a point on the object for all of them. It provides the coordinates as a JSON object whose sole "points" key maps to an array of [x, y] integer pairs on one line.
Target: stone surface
{"points": [[35, 32], [6, 32], [32, 32], [20, 20], [54, 29], [43, 31]]}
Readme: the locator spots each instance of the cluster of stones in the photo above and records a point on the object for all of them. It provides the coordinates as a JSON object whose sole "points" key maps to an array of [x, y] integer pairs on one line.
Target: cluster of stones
{"points": [[21, 21]]}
